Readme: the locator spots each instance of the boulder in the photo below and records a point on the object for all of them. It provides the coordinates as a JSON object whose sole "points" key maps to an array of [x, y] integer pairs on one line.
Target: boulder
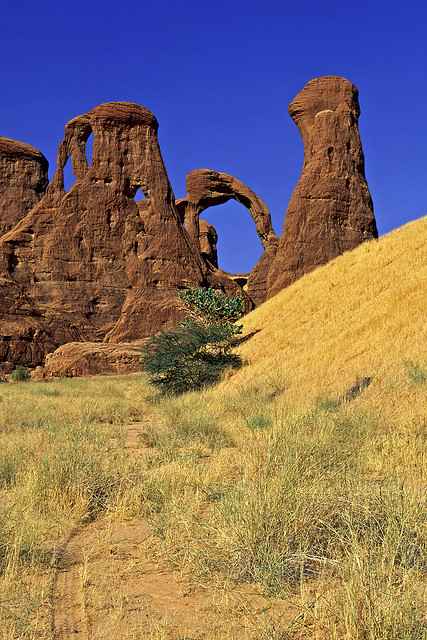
{"points": [[90, 358], [208, 239]]}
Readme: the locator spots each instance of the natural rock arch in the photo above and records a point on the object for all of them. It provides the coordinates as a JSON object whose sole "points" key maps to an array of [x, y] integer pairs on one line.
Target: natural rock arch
{"points": [[207, 188]]}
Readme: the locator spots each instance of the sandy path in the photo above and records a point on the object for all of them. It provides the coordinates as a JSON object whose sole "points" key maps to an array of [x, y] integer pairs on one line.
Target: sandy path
{"points": [[107, 585], [69, 610]]}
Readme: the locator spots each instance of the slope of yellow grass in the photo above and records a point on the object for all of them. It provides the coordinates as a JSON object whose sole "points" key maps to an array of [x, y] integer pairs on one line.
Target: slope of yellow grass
{"points": [[363, 314]]}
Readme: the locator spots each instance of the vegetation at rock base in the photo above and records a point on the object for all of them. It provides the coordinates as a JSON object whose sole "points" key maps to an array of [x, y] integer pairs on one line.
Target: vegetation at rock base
{"points": [[195, 353], [20, 374]]}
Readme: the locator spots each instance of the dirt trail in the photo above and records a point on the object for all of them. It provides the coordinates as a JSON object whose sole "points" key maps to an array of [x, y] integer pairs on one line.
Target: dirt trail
{"points": [[69, 610], [107, 585]]}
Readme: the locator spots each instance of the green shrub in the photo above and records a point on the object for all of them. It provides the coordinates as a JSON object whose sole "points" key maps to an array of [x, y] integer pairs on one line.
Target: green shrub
{"points": [[211, 305], [189, 357], [20, 374], [198, 350]]}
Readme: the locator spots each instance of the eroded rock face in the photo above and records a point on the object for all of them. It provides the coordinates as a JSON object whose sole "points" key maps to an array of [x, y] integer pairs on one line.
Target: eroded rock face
{"points": [[208, 239], [207, 188], [23, 181], [331, 208], [92, 264]]}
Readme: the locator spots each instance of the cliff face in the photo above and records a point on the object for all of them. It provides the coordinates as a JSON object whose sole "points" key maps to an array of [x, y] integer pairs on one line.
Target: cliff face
{"points": [[331, 208], [23, 181], [93, 264]]}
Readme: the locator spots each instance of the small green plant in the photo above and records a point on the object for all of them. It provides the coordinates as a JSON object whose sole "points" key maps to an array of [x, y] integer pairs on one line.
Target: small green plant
{"points": [[416, 374], [198, 350], [189, 357], [328, 405], [258, 422], [20, 374]]}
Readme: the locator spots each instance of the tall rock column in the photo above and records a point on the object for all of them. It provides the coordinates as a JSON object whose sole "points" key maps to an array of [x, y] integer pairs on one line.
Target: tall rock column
{"points": [[23, 181], [331, 208]]}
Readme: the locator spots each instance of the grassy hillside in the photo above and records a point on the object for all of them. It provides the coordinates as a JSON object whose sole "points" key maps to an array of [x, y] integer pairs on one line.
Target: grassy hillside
{"points": [[365, 313], [295, 509]]}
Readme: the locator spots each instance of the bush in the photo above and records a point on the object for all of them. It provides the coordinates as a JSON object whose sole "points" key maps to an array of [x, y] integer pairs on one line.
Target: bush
{"points": [[189, 357], [211, 305], [196, 352], [20, 374]]}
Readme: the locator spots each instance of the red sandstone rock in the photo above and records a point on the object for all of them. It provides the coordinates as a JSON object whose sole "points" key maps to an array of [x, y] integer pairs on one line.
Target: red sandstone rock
{"points": [[92, 264], [208, 239], [23, 181], [206, 188], [331, 208]]}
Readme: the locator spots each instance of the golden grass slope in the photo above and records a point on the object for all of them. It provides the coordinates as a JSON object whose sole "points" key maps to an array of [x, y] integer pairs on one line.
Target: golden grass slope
{"points": [[362, 314]]}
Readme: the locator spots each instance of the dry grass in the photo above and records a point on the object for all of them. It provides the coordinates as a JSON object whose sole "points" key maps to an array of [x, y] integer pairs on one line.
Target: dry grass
{"points": [[270, 478], [362, 314], [59, 465]]}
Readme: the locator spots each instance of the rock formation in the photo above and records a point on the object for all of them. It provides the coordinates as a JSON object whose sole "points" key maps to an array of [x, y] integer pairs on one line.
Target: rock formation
{"points": [[207, 188], [92, 264], [331, 208], [208, 239], [23, 181]]}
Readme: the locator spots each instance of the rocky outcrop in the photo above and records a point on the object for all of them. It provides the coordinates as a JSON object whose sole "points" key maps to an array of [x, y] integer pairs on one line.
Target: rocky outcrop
{"points": [[331, 208], [90, 358], [93, 264], [23, 181], [207, 188]]}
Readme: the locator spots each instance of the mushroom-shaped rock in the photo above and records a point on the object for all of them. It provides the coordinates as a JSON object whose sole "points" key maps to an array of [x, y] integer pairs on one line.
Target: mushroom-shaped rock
{"points": [[23, 181], [331, 209]]}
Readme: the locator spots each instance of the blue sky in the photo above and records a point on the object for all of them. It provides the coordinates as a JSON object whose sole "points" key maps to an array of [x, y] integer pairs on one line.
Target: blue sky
{"points": [[219, 77]]}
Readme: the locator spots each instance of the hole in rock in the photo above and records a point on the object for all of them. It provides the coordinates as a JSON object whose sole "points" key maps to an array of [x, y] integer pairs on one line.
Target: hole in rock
{"points": [[69, 177], [89, 150], [139, 195], [239, 247]]}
